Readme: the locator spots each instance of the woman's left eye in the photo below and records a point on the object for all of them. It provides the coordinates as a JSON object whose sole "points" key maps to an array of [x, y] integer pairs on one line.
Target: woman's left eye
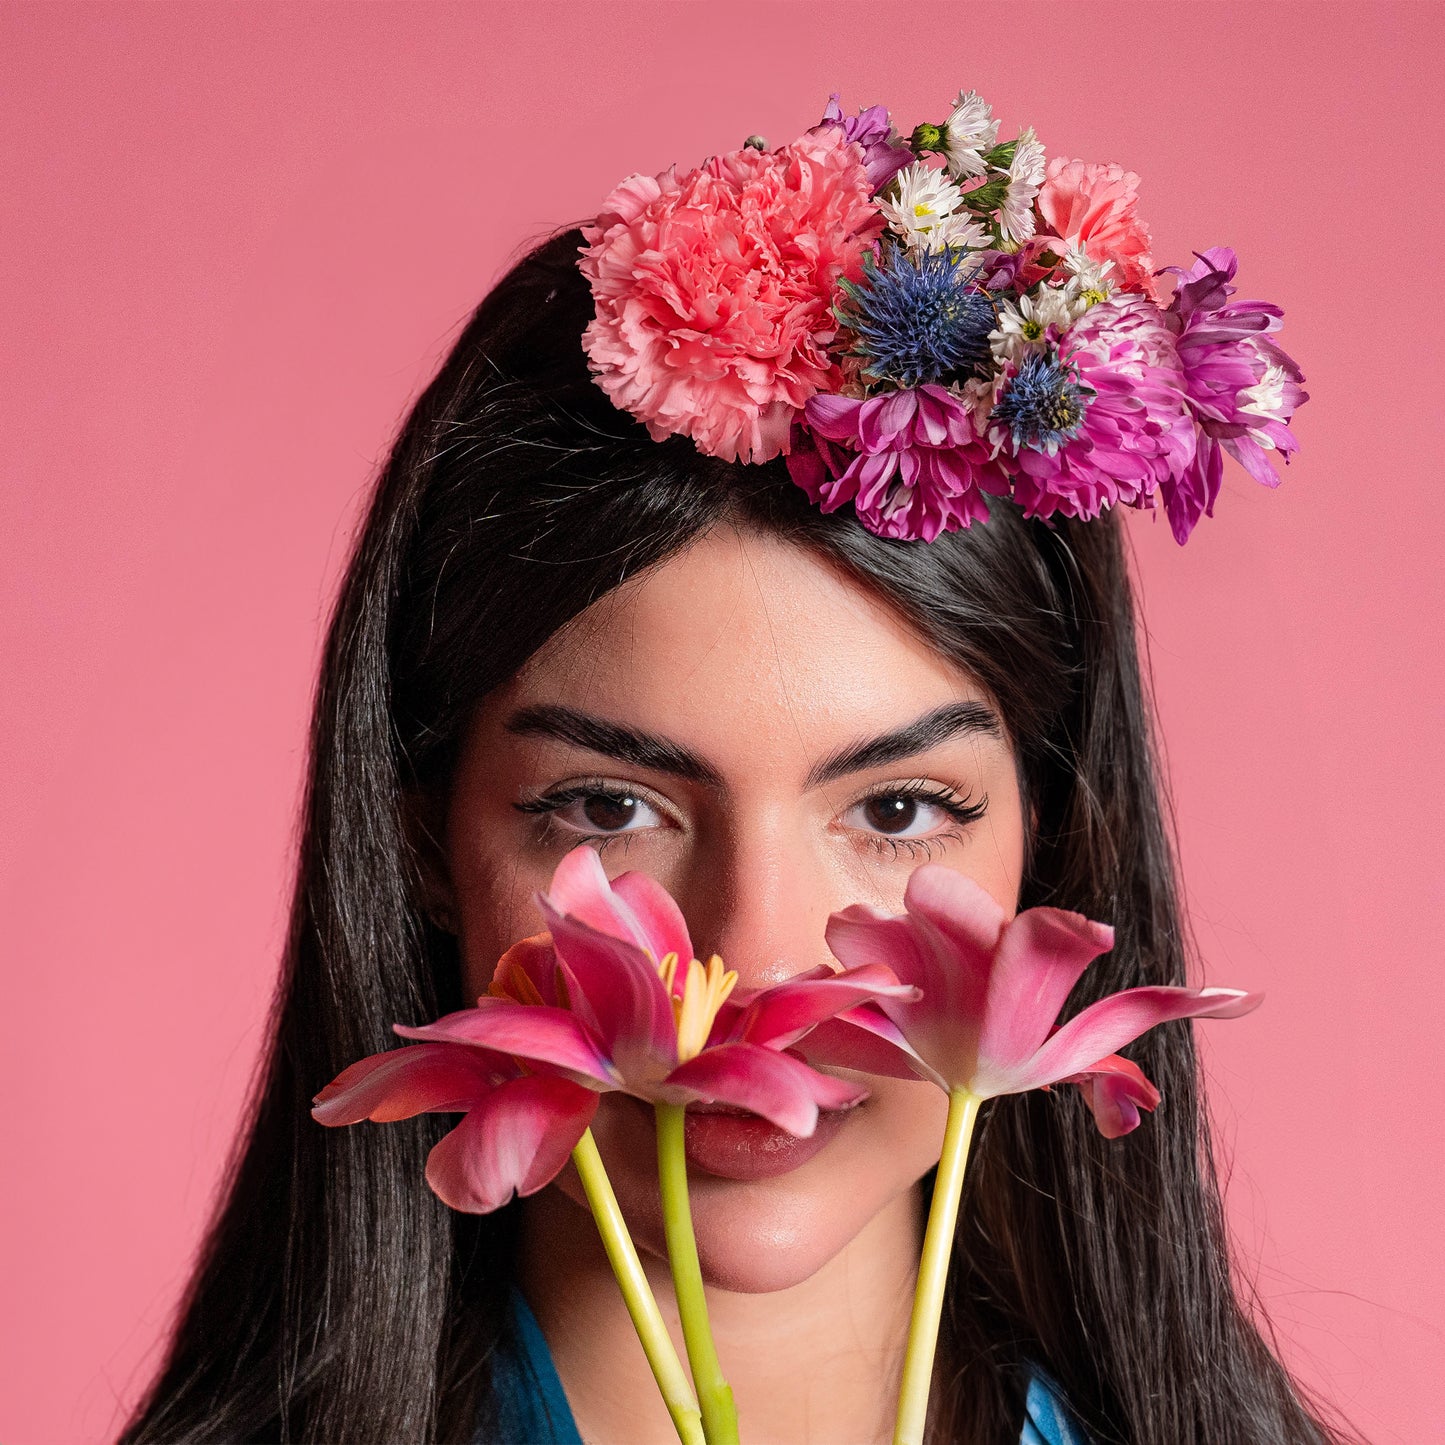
{"points": [[902, 814]]}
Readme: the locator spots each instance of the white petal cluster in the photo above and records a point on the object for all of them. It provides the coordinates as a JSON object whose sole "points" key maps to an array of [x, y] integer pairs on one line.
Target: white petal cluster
{"points": [[1087, 276], [1025, 176], [1022, 325], [1265, 399], [926, 211], [970, 131]]}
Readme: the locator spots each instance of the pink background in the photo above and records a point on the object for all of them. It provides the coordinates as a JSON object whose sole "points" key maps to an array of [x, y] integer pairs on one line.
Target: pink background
{"points": [[238, 239]]}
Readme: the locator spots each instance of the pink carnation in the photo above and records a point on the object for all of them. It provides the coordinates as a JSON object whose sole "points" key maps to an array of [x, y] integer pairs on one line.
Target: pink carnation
{"points": [[714, 290], [1094, 208]]}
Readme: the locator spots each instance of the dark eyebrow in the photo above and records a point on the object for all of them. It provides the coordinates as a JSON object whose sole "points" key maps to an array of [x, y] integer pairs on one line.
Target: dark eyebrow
{"points": [[646, 750], [918, 736], [627, 745]]}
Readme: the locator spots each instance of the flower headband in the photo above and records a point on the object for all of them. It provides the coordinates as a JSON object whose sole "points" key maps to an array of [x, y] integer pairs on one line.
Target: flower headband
{"points": [[916, 325]]}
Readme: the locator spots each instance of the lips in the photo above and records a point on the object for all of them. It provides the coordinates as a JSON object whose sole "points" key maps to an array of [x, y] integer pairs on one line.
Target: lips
{"points": [[732, 1144]]}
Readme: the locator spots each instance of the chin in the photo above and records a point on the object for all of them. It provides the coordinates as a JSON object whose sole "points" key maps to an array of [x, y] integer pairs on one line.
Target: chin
{"points": [[759, 1238], [768, 1212]]}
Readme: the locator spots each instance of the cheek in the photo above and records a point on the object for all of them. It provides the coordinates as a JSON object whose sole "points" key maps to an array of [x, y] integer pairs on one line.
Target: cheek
{"points": [[495, 908]]}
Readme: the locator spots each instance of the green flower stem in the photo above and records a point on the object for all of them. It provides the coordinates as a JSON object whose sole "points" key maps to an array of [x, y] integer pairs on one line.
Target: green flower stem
{"points": [[933, 1270], [641, 1306], [719, 1415]]}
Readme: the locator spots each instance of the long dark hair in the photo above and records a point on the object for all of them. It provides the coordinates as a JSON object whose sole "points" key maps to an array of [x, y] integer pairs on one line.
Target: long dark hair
{"points": [[335, 1298]]}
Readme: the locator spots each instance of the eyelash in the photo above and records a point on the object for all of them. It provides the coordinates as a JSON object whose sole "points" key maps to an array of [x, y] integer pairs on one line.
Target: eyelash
{"points": [[963, 811]]}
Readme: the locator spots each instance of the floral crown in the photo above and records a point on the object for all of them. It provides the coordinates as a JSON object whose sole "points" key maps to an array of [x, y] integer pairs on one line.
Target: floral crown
{"points": [[917, 324]]}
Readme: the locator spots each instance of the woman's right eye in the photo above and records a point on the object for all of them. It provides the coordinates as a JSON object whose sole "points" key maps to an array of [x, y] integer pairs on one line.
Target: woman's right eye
{"points": [[596, 812]]}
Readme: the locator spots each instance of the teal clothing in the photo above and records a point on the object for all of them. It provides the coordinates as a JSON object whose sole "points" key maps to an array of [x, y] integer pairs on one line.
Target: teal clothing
{"points": [[533, 1409]]}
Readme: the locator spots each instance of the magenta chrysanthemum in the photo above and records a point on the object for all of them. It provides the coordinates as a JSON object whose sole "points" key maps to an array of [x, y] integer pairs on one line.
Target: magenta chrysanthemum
{"points": [[1108, 424], [1242, 388], [910, 461], [714, 290]]}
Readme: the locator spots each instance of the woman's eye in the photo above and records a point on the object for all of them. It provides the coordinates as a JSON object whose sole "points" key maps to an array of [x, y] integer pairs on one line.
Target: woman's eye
{"points": [[595, 812], [612, 812], [912, 812], [898, 815]]}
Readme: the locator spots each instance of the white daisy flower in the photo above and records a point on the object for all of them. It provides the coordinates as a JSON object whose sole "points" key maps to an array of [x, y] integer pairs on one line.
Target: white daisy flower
{"points": [[1025, 176], [1089, 281], [953, 232], [924, 210], [968, 133], [1022, 324]]}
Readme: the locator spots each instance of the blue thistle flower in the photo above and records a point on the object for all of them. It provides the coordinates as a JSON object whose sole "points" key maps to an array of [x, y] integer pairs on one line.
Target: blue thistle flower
{"points": [[918, 320], [1044, 404]]}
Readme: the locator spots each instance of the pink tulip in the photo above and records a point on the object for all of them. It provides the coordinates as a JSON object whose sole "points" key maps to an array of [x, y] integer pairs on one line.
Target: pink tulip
{"points": [[612, 998], [602, 1002], [982, 1024], [991, 989]]}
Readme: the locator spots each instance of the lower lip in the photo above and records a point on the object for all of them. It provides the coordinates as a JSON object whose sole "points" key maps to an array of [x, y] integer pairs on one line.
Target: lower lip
{"points": [[742, 1146]]}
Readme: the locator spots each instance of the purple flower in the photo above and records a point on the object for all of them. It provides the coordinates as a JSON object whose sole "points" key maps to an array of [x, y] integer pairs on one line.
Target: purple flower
{"points": [[911, 461], [1101, 419], [1242, 388], [884, 155]]}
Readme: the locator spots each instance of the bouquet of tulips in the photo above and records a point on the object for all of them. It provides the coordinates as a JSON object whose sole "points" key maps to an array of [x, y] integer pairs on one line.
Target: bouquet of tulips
{"points": [[611, 997]]}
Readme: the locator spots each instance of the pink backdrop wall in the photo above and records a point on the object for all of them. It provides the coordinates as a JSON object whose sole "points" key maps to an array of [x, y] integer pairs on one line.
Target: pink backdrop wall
{"points": [[236, 241]]}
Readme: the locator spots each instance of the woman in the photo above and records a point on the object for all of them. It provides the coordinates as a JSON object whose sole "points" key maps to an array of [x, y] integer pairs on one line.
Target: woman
{"points": [[557, 629]]}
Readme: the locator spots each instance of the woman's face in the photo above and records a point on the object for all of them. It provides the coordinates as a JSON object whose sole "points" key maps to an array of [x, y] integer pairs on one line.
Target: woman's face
{"points": [[771, 743]]}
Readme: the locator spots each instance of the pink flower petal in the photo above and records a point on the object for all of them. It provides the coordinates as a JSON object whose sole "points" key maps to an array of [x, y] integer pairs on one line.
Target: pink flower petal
{"points": [[1116, 1090], [945, 945], [833, 417], [1108, 1025], [514, 1141], [781, 1015], [1041, 955], [580, 889], [534, 960], [424, 1079], [536, 1032], [620, 992], [781, 1089], [862, 1038], [663, 928]]}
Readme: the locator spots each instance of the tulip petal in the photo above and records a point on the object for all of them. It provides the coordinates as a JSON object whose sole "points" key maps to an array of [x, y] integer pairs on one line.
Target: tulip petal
{"points": [[528, 967], [536, 1032], [1108, 1025], [1041, 955], [634, 907], [658, 917], [515, 1140], [781, 1089], [945, 945], [422, 1079], [781, 1015], [862, 1038], [620, 992], [1116, 1090]]}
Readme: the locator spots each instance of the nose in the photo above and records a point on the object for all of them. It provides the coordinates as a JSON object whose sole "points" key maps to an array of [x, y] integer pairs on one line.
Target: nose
{"points": [[760, 897]]}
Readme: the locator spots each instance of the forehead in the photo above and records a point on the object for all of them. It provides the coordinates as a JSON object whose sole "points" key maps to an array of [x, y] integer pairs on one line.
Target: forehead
{"points": [[744, 644]]}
